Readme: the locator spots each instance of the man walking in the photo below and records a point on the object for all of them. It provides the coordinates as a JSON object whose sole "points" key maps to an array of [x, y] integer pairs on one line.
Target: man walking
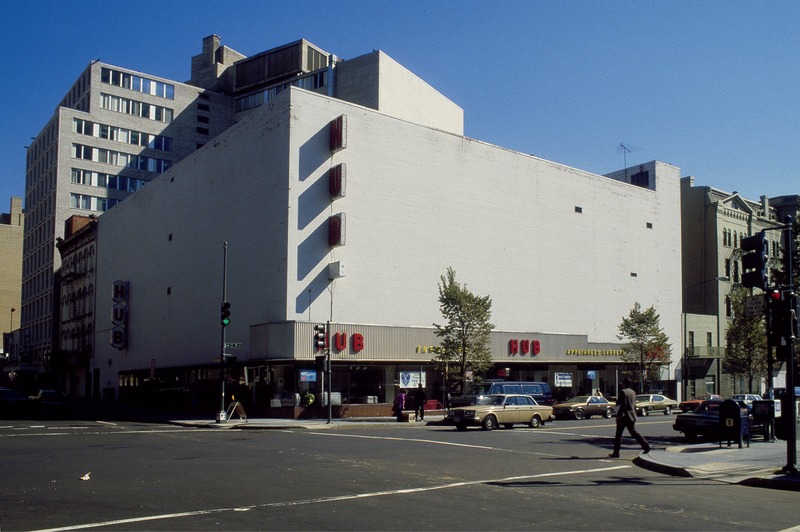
{"points": [[626, 418]]}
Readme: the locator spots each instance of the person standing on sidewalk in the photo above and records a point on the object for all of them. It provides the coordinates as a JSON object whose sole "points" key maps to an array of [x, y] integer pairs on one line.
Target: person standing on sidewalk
{"points": [[626, 418], [399, 404], [419, 402]]}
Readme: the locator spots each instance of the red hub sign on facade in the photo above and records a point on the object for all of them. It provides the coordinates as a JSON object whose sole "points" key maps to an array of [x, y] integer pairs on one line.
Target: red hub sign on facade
{"points": [[340, 342], [523, 347]]}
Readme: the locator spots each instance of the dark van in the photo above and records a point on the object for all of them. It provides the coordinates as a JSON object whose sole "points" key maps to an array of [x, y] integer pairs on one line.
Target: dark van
{"points": [[540, 391]]}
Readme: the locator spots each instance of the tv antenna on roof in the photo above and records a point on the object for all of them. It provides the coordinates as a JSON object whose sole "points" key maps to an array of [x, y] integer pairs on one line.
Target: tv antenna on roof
{"points": [[625, 149]]}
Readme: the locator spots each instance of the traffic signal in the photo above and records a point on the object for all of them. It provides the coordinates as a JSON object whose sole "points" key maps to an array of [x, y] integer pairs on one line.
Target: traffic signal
{"points": [[225, 314], [774, 316], [782, 324], [319, 363], [319, 336], [754, 261]]}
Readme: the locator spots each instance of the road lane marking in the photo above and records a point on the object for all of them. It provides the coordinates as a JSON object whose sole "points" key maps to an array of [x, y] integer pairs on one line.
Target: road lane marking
{"points": [[106, 433], [321, 500], [394, 438]]}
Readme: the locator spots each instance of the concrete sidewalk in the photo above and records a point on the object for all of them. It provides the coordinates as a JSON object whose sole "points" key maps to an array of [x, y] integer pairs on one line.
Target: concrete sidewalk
{"points": [[760, 464]]}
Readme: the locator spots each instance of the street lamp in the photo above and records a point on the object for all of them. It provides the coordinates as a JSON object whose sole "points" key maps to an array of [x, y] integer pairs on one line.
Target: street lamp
{"points": [[684, 372]]}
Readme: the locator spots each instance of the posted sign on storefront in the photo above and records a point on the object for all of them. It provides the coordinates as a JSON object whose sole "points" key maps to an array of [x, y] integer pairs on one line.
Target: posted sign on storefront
{"points": [[412, 379], [563, 380]]}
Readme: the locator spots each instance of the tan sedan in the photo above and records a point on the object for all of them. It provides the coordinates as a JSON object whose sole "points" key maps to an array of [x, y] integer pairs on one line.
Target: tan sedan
{"points": [[507, 410], [647, 403]]}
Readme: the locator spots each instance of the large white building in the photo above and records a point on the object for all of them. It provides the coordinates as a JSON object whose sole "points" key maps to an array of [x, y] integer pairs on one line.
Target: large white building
{"points": [[350, 213], [344, 191]]}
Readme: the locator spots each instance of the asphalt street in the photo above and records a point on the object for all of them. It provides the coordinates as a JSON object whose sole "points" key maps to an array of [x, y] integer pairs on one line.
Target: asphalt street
{"points": [[130, 476]]}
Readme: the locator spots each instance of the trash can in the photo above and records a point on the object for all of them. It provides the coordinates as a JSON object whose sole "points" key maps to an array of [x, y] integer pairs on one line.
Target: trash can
{"points": [[734, 423], [782, 422], [764, 414]]}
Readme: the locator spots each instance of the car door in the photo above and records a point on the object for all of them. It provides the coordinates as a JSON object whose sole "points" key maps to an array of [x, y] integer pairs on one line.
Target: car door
{"points": [[658, 402], [512, 410], [526, 409], [594, 407]]}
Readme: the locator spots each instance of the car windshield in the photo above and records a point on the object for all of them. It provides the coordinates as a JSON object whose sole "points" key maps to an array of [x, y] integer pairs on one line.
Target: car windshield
{"points": [[478, 388], [708, 407], [490, 400], [579, 399]]}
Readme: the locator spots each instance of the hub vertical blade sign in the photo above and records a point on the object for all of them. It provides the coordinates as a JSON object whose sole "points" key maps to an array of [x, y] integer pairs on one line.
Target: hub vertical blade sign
{"points": [[119, 315]]}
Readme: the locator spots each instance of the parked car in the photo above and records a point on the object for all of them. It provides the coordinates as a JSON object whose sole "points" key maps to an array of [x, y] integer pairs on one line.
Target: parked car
{"points": [[584, 407], [691, 404], [10, 397], [48, 397], [12, 403], [646, 403], [704, 420], [501, 409], [748, 398]]}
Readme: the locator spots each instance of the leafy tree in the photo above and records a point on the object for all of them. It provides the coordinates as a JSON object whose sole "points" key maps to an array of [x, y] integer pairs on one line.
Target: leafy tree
{"points": [[465, 335], [648, 345], [746, 355]]}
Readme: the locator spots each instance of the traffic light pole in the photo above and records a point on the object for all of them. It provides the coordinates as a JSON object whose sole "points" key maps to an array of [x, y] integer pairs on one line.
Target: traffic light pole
{"points": [[221, 416], [791, 436], [328, 367]]}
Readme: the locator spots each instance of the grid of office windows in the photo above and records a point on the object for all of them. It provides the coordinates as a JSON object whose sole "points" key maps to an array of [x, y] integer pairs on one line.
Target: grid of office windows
{"points": [[137, 108], [137, 83], [91, 203], [101, 180], [310, 82], [118, 158], [119, 134]]}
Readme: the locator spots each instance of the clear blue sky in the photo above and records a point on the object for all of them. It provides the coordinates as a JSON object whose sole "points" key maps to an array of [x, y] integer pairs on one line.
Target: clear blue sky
{"points": [[709, 86]]}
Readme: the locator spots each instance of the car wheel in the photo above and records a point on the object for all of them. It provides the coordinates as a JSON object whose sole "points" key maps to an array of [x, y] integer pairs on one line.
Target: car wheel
{"points": [[690, 435], [645, 412], [668, 411], [609, 413], [508, 425], [461, 426], [535, 422], [489, 423], [580, 414]]}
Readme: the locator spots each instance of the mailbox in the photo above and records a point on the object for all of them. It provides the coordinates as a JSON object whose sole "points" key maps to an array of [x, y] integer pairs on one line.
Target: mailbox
{"points": [[734, 423]]}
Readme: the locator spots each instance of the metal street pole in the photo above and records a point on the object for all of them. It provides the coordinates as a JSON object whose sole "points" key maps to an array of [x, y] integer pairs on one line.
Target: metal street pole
{"points": [[221, 416], [791, 437], [328, 366]]}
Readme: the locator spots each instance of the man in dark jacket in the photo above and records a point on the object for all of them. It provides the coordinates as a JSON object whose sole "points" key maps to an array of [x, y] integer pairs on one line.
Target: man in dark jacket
{"points": [[626, 418], [419, 402]]}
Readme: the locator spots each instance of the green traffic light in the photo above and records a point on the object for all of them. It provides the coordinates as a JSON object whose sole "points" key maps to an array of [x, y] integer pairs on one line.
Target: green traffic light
{"points": [[225, 313]]}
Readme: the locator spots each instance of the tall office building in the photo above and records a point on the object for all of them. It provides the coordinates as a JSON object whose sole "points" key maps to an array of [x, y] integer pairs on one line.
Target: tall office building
{"points": [[114, 131]]}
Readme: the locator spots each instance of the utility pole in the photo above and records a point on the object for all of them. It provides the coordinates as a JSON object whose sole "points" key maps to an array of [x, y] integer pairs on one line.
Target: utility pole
{"points": [[221, 416], [791, 437], [328, 367]]}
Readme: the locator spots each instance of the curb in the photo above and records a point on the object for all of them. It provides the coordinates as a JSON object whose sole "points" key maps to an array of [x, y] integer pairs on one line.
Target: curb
{"points": [[649, 463]]}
